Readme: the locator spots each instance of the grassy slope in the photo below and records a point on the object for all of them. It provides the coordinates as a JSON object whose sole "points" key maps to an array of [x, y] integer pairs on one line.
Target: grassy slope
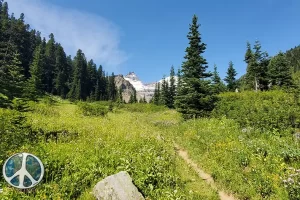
{"points": [[91, 148], [248, 164]]}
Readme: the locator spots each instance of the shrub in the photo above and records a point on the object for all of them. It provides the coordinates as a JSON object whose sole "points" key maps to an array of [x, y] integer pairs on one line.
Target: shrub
{"points": [[92, 109], [273, 110], [14, 132], [144, 108]]}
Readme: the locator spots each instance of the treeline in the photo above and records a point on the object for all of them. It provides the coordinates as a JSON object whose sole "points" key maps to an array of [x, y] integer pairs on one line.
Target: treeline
{"points": [[197, 88], [30, 66]]}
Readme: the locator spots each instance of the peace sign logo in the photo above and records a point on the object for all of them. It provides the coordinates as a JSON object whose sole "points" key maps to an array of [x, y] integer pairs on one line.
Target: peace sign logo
{"points": [[23, 170]]}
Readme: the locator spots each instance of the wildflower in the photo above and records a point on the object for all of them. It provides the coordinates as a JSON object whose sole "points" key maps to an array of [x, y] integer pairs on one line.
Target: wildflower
{"points": [[290, 180]]}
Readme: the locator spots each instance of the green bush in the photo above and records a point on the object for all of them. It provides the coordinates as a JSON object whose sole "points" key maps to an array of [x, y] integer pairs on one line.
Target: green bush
{"points": [[93, 109], [14, 133], [273, 110], [144, 108], [43, 109]]}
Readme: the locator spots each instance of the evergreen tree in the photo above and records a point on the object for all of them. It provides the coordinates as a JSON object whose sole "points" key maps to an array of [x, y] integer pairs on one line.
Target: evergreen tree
{"points": [[34, 86], [92, 79], [194, 97], [112, 89], [61, 68], [133, 98], [120, 95], [262, 61], [218, 85], [157, 92], [11, 75], [11, 72], [101, 85], [172, 88], [257, 63], [164, 97], [50, 67], [230, 78], [144, 99], [179, 82], [70, 72], [279, 71], [78, 88]]}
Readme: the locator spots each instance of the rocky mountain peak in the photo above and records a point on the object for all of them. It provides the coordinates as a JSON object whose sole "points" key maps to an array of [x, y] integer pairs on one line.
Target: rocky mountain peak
{"points": [[132, 76]]}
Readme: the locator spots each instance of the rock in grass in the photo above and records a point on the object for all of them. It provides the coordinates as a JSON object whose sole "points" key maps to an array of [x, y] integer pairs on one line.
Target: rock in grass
{"points": [[117, 187]]}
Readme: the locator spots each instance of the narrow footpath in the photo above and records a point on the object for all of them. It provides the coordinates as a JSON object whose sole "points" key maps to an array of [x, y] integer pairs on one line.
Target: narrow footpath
{"points": [[207, 177]]}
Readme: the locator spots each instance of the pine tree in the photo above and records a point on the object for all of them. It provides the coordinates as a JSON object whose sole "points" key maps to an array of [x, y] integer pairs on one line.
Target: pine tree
{"points": [[172, 88], [230, 78], [156, 96], [101, 92], [78, 88], [120, 95], [164, 97], [92, 78], [61, 68], [34, 86], [70, 71], [133, 98], [11, 72], [257, 62], [194, 99], [50, 67], [179, 82], [144, 99], [11, 75], [112, 89], [279, 71], [218, 85]]}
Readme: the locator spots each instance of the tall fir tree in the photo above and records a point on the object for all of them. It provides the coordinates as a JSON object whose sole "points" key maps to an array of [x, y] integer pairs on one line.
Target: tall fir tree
{"points": [[92, 79], [144, 99], [11, 75], [120, 95], [34, 86], [194, 99], [230, 77], [78, 88], [11, 71], [50, 72], [112, 89], [218, 85], [257, 65], [172, 88], [156, 96], [61, 68], [164, 97], [279, 71], [133, 97]]}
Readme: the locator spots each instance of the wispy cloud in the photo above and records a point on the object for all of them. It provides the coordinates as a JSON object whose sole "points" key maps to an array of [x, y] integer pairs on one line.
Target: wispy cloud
{"points": [[96, 36]]}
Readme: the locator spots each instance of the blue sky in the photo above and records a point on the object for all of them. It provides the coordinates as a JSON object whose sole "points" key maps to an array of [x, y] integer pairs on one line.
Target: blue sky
{"points": [[147, 37]]}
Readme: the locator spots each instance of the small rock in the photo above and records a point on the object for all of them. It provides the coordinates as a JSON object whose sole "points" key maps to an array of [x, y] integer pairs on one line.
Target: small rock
{"points": [[117, 187]]}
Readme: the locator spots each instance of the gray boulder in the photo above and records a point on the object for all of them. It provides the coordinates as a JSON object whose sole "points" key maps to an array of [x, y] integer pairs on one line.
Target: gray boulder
{"points": [[117, 187]]}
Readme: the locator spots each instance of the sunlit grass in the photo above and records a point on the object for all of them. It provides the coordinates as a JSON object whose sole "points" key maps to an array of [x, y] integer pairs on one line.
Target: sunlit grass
{"points": [[86, 149]]}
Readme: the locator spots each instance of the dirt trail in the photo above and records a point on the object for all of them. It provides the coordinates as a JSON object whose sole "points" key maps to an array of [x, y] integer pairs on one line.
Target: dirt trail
{"points": [[207, 177]]}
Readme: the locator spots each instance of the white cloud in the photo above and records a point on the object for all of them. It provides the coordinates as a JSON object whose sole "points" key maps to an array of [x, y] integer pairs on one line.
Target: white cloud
{"points": [[96, 36]]}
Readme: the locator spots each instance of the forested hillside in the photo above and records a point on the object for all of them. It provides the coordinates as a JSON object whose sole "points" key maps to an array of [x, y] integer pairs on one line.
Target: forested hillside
{"points": [[32, 66], [293, 57]]}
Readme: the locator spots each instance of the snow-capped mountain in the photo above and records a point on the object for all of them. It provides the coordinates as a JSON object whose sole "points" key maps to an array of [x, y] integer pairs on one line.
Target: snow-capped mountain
{"points": [[142, 89]]}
